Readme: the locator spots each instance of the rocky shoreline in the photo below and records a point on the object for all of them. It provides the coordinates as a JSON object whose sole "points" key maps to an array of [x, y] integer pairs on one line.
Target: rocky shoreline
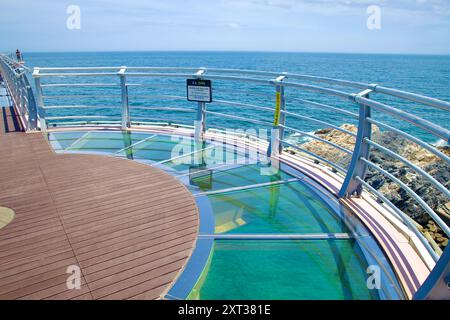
{"points": [[400, 198]]}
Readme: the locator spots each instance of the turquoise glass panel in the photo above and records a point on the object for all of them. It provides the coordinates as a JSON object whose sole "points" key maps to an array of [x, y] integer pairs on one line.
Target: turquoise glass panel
{"points": [[282, 208], [239, 176], [312, 269], [160, 148], [62, 140]]}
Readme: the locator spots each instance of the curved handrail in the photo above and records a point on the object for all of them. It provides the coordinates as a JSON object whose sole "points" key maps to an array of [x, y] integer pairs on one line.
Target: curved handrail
{"points": [[20, 91], [444, 105]]}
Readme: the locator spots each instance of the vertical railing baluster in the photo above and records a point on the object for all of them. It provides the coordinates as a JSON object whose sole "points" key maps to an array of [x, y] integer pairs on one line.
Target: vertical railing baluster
{"points": [[279, 119], [14, 87], [40, 100], [358, 168], [200, 121], [125, 124], [282, 114], [21, 106], [31, 104], [200, 124]]}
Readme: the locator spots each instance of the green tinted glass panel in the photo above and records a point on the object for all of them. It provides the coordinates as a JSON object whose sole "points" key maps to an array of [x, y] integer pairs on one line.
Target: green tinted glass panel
{"points": [[63, 140], [238, 177], [109, 142], [160, 148], [312, 269], [209, 157], [97, 141], [285, 208]]}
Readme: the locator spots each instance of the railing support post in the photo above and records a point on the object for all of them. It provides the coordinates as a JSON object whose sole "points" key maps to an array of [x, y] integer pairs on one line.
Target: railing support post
{"points": [[14, 87], [275, 142], [32, 110], [437, 285], [200, 122], [282, 114], [40, 100], [279, 119], [124, 94], [358, 168], [21, 102]]}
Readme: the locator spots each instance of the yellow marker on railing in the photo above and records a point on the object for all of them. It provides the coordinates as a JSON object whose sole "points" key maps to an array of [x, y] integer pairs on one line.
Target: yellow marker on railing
{"points": [[276, 118]]}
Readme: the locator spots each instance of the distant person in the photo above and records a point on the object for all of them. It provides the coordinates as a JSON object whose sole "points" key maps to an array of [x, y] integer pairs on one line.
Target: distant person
{"points": [[18, 55]]}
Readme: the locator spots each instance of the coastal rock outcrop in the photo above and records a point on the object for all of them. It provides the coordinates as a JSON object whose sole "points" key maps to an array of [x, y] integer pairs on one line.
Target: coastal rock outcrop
{"points": [[421, 157]]}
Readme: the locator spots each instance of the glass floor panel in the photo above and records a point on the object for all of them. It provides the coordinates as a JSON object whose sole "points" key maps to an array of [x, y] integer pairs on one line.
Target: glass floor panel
{"points": [[282, 208], [62, 140], [105, 142], [160, 148], [210, 156], [97, 141], [247, 269], [240, 176], [309, 269], [149, 147]]}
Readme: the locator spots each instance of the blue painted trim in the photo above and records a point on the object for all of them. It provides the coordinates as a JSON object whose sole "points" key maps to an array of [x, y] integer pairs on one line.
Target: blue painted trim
{"points": [[199, 258], [192, 272], [207, 223]]}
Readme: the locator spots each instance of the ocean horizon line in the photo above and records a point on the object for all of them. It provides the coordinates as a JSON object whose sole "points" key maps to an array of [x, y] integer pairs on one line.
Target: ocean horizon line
{"points": [[241, 51]]}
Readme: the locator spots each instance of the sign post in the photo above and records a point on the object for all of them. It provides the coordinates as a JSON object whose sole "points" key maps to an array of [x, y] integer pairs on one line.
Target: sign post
{"points": [[200, 91]]}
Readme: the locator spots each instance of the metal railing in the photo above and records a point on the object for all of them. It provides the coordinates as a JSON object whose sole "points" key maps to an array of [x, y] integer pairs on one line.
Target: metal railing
{"points": [[268, 107], [20, 92]]}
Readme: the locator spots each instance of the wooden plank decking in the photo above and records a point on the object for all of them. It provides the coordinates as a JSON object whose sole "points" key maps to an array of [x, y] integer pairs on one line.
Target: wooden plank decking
{"points": [[129, 227]]}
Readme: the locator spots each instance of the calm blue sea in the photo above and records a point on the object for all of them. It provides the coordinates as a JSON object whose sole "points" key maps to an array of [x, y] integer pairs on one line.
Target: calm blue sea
{"points": [[428, 75]]}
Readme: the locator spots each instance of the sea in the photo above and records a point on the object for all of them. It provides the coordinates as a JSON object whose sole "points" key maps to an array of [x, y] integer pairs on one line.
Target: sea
{"points": [[233, 99]]}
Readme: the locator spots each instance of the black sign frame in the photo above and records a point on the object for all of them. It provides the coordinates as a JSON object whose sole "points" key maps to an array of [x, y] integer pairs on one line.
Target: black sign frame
{"points": [[199, 83]]}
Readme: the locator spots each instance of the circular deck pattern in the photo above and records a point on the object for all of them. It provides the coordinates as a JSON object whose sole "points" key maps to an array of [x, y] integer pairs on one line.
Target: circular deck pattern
{"points": [[6, 216], [127, 227]]}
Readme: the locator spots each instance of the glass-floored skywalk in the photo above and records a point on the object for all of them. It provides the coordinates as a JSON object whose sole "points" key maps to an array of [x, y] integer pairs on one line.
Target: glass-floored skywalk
{"points": [[273, 234]]}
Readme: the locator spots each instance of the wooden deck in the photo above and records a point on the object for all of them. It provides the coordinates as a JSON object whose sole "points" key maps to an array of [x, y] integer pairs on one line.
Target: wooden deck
{"points": [[129, 227]]}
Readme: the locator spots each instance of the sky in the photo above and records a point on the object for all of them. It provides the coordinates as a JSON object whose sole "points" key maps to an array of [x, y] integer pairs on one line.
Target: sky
{"points": [[406, 26]]}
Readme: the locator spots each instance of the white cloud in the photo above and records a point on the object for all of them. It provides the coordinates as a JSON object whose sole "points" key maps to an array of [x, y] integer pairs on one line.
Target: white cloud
{"points": [[312, 25], [439, 7]]}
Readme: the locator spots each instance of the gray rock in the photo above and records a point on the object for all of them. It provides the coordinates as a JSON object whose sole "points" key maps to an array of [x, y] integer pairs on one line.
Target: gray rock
{"points": [[438, 169]]}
